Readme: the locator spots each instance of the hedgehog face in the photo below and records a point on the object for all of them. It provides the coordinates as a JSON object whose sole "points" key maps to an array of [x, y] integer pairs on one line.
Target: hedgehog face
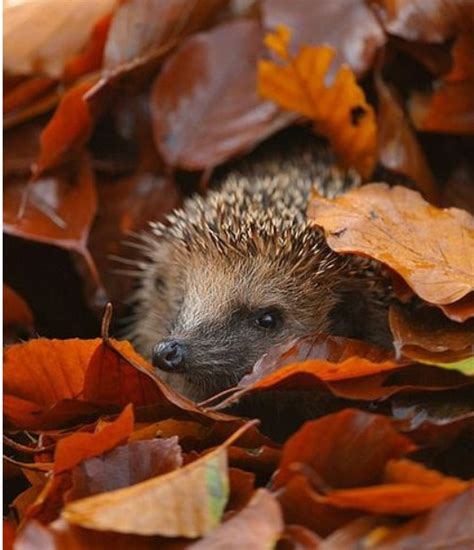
{"points": [[207, 318]]}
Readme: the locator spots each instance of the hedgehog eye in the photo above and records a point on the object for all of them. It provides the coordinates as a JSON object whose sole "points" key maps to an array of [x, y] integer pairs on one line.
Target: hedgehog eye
{"points": [[268, 319]]}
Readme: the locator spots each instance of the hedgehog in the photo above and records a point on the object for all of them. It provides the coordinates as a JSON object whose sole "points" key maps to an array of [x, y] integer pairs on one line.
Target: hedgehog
{"points": [[234, 273]]}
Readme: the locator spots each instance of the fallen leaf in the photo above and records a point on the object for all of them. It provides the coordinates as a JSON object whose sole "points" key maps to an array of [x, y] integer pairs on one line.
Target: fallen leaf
{"points": [[8, 535], [345, 449], [299, 537], [446, 526], [139, 26], [61, 536], [349, 27], [418, 21], [242, 487], [44, 371], [124, 466], [339, 110], [398, 146], [90, 58], [428, 247], [187, 502], [74, 449], [427, 336], [17, 316], [201, 120], [41, 35], [26, 92], [301, 505], [257, 526], [67, 131], [450, 108], [408, 488], [59, 209]]}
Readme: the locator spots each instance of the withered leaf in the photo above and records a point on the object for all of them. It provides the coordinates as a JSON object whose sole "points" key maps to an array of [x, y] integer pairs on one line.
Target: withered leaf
{"points": [[17, 315], [139, 26], [339, 110], [187, 502], [41, 35], [407, 488], [430, 248], [68, 129], [59, 208], [205, 107], [124, 466], [258, 526], [427, 336], [348, 26], [73, 449], [417, 20], [345, 449], [399, 149]]}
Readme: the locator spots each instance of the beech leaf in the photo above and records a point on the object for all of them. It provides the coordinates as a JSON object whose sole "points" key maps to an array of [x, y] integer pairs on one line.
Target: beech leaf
{"points": [[429, 247]]}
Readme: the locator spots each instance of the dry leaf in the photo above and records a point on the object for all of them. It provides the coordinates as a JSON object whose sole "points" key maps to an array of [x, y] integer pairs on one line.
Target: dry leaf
{"points": [[74, 449], [430, 248], [17, 315], [339, 110], [349, 26], [399, 149], [68, 130], [124, 466], [408, 488], [429, 337], [205, 108], [418, 20], [345, 449], [188, 502], [41, 35], [257, 526]]}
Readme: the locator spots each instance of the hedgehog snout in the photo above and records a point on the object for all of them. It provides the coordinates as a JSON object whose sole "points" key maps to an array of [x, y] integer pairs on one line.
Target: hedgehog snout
{"points": [[169, 355]]}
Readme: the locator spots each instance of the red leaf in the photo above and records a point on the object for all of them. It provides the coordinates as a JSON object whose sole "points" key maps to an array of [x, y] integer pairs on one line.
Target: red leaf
{"points": [[72, 450]]}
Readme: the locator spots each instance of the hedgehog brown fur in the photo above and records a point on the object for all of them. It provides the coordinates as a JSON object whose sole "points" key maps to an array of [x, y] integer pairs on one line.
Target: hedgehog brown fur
{"points": [[241, 270]]}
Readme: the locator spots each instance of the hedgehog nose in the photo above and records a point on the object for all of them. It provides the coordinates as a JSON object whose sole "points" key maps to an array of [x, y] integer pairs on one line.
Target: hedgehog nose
{"points": [[169, 355]]}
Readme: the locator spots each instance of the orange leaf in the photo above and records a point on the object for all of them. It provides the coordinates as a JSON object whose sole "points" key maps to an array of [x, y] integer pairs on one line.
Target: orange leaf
{"points": [[68, 130], [15, 309], [410, 488], [27, 91], [72, 450], [90, 59], [340, 110], [430, 248]]}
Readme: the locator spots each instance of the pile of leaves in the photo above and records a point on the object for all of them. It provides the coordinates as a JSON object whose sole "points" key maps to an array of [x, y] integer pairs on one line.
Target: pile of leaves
{"points": [[116, 110]]}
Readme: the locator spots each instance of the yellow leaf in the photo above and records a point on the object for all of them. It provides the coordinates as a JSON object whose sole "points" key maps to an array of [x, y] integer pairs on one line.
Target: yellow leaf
{"points": [[339, 110]]}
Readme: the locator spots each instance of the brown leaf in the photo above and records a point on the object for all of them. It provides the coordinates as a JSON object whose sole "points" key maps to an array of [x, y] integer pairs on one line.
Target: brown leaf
{"points": [[426, 335], [257, 526], [187, 502], [68, 130], [124, 466], [349, 27], [59, 208], [26, 92], [90, 58], [430, 248], [399, 149], [408, 488], [346, 449], [205, 107], [17, 316], [61, 536], [301, 505], [298, 537], [417, 20], [338, 109], [446, 526], [74, 449], [41, 35], [139, 26], [241, 489]]}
